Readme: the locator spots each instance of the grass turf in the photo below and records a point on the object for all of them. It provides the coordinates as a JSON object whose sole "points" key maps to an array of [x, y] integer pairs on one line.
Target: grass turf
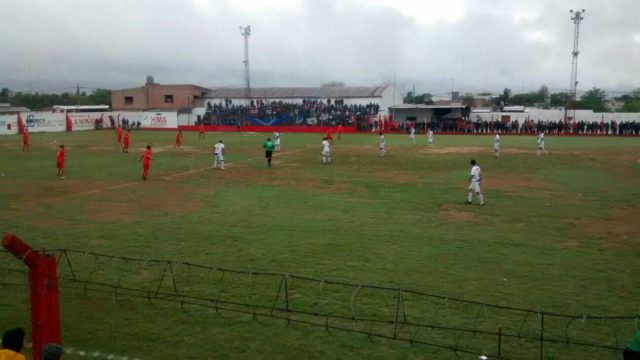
{"points": [[559, 231]]}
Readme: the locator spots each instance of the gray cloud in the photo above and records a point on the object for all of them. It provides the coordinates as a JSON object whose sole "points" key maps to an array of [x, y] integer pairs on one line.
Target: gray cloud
{"points": [[484, 45]]}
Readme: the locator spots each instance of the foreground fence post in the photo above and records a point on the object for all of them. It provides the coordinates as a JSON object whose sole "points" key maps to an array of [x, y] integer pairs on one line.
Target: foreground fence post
{"points": [[542, 336], [43, 286]]}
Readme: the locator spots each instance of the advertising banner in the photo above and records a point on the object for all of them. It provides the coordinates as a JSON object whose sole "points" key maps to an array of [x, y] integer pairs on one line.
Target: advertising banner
{"points": [[149, 119], [8, 124], [43, 121]]}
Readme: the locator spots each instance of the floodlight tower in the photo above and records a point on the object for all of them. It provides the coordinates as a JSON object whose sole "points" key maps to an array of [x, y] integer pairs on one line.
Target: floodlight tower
{"points": [[246, 32], [570, 110]]}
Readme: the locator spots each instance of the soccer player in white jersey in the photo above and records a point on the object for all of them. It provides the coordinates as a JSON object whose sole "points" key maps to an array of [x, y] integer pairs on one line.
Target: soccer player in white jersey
{"points": [[381, 145], [276, 140], [218, 153], [429, 139], [412, 135], [326, 151], [541, 148], [474, 183], [496, 145]]}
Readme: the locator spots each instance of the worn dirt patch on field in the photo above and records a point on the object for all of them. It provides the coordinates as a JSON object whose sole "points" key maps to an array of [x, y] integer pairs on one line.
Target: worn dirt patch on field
{"points": [[569, 244], [171, 198], [456, 150], [512, 182], [286, 177], [456, 213], [398, 177], [619, 229]]}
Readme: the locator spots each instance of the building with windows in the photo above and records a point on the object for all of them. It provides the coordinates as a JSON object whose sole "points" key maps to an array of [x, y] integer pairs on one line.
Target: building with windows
{"points": [[154, 96]]}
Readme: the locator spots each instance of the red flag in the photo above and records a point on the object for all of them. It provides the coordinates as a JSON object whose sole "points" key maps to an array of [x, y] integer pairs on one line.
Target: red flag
{"points": [[20, 125], [69, 125], [426, 123]]}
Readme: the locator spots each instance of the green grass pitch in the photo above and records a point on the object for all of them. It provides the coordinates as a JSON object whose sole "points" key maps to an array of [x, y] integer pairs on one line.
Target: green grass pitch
{"points": [[559, 232]]}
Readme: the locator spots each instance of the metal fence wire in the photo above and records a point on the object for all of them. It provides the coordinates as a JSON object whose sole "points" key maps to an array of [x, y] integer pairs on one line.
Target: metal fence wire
{"points": [[457, 325]]}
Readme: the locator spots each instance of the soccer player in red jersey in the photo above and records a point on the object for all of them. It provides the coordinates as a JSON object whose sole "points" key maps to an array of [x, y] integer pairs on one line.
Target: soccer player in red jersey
{"points": [[119, 131], [25, 140], [201, 130], [60, 162], [329, 137], [146, 162], [178, 140], [340, 132], [125, 148]]}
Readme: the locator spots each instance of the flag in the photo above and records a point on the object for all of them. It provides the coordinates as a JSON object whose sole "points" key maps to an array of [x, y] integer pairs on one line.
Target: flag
{"points": [[20, 125], [69, 126], [426, 123]]}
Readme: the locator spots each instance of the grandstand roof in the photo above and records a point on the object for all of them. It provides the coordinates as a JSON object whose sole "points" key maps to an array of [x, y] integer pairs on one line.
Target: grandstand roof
{"points": [[422, 106], [300, 92]]}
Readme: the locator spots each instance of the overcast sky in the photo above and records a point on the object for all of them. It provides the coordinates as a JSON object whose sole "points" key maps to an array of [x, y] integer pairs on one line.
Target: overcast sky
{"points": [[483, 45]]}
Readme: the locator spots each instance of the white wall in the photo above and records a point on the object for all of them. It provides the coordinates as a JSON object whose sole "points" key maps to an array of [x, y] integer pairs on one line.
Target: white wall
{"points": [[11, 120], [557, 115], [150, 120], [43, 121]]}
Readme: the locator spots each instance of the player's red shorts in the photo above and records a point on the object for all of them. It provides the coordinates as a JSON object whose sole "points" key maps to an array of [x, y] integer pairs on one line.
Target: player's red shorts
{"points": [[60, 164]]}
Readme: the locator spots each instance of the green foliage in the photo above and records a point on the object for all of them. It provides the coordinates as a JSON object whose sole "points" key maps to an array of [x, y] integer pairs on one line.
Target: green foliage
{"points": [[42, 101], [631, 106], [526, 99], [558, 99], [562, 223], [425, 98], [594, 99]]}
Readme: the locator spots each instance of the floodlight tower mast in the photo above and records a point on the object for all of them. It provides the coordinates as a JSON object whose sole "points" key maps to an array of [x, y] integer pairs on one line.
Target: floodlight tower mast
{"points": [[246, 32], [570, 110]]}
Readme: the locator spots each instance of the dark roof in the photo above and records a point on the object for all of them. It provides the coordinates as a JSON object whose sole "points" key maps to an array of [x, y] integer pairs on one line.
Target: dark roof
{"points": [[13, 109], [300, 92], [421, 106], [164, 85]]}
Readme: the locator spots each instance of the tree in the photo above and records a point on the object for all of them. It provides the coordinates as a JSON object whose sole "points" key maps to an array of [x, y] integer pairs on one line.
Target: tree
{"points": [[558, 99], [468, 99], [631, 106], [425, 98], [526, 99], [635, 93], [4, 94], [594, 99], [543, 94]]}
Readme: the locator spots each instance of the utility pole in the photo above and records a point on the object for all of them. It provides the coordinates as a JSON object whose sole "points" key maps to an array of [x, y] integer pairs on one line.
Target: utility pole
{"points": [[246, 32], [570, 109]]}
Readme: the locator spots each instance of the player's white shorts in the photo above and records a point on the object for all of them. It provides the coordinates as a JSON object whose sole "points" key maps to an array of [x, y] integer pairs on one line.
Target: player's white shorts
{"points": [[326, 153], [496, 147], [412, 136], [475, 186], [219, 157], [381, 146], [277, 142]]}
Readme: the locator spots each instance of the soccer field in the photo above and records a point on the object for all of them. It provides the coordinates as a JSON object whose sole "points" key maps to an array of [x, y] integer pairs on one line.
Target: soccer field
{"points": [[558, 233]]}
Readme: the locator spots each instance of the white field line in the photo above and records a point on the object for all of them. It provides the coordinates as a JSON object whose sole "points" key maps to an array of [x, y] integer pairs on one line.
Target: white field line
{"points": [[90, 354], [187, 172]]}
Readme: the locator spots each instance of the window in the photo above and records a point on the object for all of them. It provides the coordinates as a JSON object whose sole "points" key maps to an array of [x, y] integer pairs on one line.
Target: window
{"points": [[168, 99], [128, 100]]}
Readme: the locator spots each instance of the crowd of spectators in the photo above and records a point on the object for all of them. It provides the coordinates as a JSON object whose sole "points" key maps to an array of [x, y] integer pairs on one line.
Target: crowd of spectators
{"points": [[479, 126], [308, 112]]}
